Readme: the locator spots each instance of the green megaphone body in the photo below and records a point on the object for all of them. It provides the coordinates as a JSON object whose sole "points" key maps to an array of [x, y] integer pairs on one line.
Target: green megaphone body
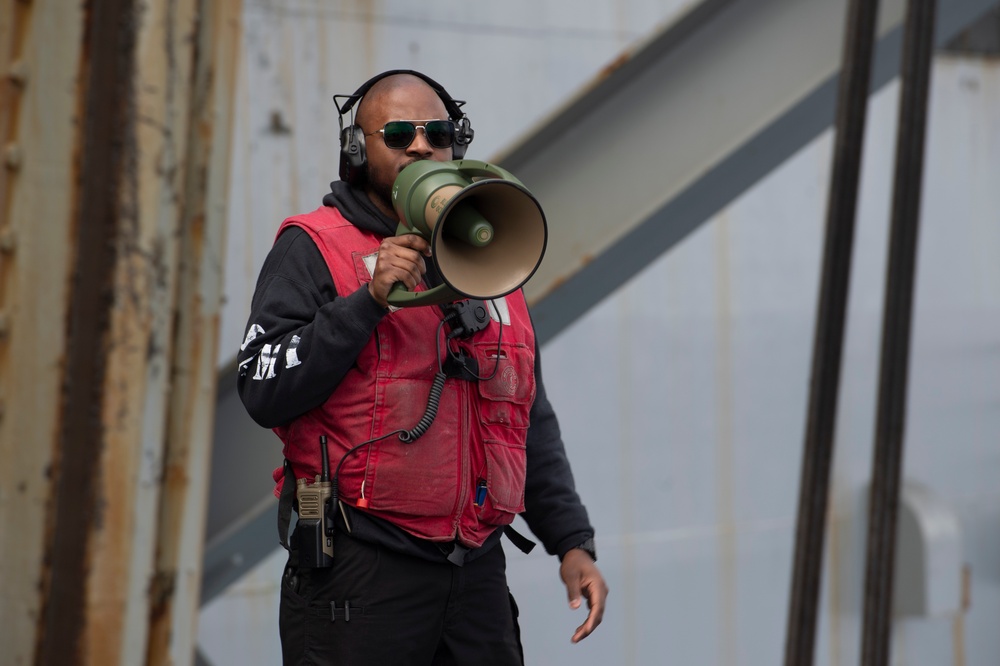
{"points": [[486, 230]]}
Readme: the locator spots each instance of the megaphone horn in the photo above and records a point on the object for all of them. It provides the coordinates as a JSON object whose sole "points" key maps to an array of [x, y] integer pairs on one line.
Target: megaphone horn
{"points": [[487, 232]]}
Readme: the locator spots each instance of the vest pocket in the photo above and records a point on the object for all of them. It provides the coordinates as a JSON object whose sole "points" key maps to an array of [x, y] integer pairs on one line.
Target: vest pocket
{"points": [[504, 409], [508, 393], [506, 465]]}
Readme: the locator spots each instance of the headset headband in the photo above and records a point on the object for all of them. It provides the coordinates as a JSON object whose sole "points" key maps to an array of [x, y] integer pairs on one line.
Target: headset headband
{"points": [[453, 106]]}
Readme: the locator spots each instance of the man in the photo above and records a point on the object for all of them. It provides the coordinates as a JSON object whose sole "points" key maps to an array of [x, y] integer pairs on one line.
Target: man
{"points": [[417, 574]]}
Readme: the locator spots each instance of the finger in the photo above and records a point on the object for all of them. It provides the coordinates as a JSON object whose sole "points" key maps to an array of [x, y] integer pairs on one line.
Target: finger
{"points": [[412, 241], [584, 630], [401, 265], [595, 602], [404, 246], [573, 591], [409, 273]]}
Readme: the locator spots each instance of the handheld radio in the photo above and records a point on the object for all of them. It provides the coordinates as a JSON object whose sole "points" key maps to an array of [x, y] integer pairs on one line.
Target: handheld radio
{"points": [[314, 530]]}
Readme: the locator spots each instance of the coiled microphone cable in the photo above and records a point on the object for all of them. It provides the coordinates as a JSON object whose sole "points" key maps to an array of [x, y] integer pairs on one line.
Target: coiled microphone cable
{"points": [[430, 413], [437, 386]]}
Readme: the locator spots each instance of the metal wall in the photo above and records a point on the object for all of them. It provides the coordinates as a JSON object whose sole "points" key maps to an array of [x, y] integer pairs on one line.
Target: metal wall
{"points": [[682, 397], [705, 399]]}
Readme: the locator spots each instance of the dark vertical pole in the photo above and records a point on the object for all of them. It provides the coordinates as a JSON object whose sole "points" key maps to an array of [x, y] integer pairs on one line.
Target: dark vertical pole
{"points": [[852, 101], [888, 457]]}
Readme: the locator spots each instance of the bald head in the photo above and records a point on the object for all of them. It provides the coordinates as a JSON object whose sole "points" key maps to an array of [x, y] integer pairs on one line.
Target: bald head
{"points": [[395, 86]]}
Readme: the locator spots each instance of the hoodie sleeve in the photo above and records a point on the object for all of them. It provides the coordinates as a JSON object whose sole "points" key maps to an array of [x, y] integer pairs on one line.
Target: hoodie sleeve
{"points": [[301, 337], [553, 510]]}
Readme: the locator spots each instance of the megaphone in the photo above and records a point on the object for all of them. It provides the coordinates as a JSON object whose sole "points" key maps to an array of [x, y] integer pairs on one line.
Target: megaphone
{"points": [[486, 230]]}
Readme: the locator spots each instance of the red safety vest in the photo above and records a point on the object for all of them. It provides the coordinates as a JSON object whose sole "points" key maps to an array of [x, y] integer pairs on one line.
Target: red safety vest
{"points": [[465, 476]]}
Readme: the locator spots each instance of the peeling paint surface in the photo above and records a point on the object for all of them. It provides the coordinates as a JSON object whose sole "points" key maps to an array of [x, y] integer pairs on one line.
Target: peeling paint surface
{"points": [[97, 102], [39, 123]]}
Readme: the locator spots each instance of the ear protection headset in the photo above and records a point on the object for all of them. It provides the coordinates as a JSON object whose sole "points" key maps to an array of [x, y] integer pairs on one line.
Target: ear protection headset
{"points": [[354, 161]]}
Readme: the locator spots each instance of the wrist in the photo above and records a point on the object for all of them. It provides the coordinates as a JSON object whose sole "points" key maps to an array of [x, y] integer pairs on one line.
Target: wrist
{"points": [[587, 546], [371, 292]]}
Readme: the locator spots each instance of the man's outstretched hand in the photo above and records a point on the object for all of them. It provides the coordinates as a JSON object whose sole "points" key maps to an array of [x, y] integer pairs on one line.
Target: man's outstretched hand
{"points": [[583, 579]]}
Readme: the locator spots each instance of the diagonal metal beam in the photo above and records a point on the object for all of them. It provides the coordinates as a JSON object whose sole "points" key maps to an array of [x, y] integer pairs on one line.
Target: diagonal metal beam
{"points": [[663, 140], [679, 129]]}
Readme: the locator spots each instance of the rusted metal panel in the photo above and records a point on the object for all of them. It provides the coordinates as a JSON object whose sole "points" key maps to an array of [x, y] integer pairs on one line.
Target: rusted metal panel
{"points": [[148, 270], [176, 591], [103, 522], [110, 258], [38, 105]]}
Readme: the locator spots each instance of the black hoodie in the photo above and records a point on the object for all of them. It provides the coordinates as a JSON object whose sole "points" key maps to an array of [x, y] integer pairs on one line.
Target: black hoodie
{"points": [[295, 296]]}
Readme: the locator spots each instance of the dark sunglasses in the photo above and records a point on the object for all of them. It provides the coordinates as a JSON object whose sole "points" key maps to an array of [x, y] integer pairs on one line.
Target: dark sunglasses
{"points": [[399, 134]]}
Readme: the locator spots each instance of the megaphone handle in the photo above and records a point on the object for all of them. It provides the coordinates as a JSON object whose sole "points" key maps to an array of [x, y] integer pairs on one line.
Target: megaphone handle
{"points": [[398, 292], [400, 297]]}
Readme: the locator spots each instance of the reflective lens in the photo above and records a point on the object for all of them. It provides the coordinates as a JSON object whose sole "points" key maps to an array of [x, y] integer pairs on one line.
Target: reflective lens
{"points": [[399, 134]]}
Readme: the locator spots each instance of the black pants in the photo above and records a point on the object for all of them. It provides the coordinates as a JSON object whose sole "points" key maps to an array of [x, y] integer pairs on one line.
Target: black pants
{"points": [[375, 606]]}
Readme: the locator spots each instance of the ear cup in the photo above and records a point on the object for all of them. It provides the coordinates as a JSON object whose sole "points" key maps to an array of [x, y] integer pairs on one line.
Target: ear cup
{"points": [[463, 137], [353, 161]]}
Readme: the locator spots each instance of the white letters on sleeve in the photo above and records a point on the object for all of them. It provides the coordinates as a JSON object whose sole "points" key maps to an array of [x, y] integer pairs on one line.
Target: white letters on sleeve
{"points": [[269, 355], [291, 354], [265, 362], [252, 334]]}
